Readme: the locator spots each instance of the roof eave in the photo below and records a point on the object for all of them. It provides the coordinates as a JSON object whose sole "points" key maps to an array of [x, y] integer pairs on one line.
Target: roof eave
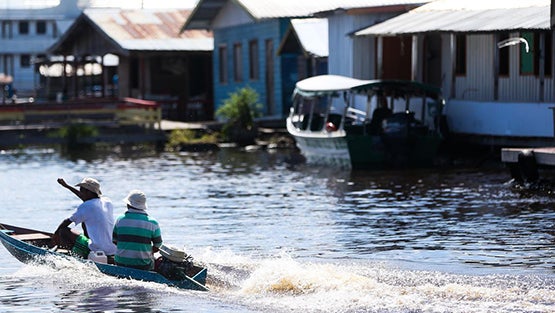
{"points": [[83, 18], [446, 31], [369, 10], [190, 18], [206, 25]]}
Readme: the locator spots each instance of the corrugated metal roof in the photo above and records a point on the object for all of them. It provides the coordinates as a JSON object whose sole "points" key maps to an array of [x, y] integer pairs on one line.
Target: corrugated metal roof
{"points": [[467, 16], [168, 44], [207, 10], [301, 8], [156, 30], [313, 35]]}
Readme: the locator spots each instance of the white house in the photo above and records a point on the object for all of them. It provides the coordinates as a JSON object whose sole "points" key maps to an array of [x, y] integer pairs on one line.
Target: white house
{"points": [[493, 60], [355, 56], [25, 34]]}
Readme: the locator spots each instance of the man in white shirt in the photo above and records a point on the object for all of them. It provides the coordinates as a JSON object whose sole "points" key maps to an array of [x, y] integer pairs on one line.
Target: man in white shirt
{"points": [[96, 216]]}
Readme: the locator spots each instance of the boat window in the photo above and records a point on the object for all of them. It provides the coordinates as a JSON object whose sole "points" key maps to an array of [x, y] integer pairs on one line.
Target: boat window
{"points": [[319, 113], [302, 109], [399, 104]]}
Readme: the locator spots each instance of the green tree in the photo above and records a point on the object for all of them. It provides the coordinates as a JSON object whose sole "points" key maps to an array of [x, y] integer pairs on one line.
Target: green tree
{"points": [[239, 112]]}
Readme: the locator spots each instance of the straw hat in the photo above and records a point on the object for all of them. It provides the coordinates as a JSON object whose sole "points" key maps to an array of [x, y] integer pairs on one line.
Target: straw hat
{"points": [[172, 253], [90, 184], [136, 199]]}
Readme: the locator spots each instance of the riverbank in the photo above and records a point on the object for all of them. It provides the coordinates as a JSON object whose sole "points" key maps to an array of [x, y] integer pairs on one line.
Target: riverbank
{"points": [[270, 133], [32, 135], [37, 134]]}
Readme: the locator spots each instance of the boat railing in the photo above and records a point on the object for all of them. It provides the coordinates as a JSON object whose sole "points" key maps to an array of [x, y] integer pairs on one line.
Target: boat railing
{"points": [[358, 116]]}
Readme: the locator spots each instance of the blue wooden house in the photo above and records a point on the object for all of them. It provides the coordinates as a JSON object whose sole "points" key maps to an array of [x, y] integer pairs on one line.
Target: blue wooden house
{"points": [[247, 37], [307, 40]]}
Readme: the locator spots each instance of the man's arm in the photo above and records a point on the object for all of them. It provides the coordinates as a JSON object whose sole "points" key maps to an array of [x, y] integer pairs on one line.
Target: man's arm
{"points": [[76, 191], [65, 223], [85, 232], [57, 236], [156, 239]]}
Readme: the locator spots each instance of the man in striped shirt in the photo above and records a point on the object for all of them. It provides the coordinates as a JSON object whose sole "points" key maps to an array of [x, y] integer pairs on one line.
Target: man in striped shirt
{"points": [[136, 234]]}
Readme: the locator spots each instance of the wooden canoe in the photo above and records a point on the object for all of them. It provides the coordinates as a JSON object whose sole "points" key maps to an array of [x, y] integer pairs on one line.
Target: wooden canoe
{"points": [[28, 245]]}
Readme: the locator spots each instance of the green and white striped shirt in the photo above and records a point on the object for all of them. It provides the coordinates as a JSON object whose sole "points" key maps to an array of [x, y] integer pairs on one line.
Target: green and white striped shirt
{"points": [[135, 233]]}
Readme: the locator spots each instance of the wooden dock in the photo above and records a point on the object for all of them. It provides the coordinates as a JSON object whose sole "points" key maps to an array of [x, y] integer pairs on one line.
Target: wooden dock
{"points": [[543, 155], [525, 163], [167, 125], [116, 120]]}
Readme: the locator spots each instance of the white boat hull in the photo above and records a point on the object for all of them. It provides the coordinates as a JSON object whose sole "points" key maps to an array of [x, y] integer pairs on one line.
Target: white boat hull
{"points": [[322, 148], [325, 151]]}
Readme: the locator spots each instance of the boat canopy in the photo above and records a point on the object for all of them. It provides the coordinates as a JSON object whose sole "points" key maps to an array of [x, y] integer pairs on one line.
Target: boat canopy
{"points": [[325, 84], [399, 87]]}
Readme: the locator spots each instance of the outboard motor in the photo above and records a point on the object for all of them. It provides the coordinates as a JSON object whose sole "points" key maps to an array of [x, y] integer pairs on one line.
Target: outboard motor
{"points": [[174, 264]]}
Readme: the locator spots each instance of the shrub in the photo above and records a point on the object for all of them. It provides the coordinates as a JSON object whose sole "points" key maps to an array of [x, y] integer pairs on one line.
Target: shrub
{"points": [[239, 112], [179, 137], [74, 132]]}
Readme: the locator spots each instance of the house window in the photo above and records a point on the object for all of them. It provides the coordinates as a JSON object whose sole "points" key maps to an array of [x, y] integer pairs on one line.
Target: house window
{"points": [[534, 41], [253, 60], [504, 60], [548, 54], [25, 61], [237, 63], [460, 58], [41, 27], [6, 29], [222, 58], [24, 28], [527, 57], [530, 61]]}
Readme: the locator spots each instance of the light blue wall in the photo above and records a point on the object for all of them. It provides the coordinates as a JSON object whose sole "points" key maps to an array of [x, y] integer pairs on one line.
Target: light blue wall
{"points": [[271, 29]]}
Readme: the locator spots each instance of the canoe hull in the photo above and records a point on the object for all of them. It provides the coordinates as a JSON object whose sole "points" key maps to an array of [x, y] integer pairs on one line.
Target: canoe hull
{"points": [[32, 251]]}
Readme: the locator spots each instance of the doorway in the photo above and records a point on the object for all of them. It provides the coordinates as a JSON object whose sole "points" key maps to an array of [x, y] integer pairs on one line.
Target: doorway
{"points": [[397, 53]]}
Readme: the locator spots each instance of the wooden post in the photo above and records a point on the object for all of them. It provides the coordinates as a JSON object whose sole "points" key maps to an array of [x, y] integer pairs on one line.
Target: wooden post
{"points": [[64, 77], [414, 58], [453, 53], [104, 77], [142, 78], [553, 119], [75, 78], [542, 67], [496, 69], [379, 57]]}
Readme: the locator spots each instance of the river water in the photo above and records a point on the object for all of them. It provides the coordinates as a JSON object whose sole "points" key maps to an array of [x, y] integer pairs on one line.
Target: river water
{"points": [[283, 237]]}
